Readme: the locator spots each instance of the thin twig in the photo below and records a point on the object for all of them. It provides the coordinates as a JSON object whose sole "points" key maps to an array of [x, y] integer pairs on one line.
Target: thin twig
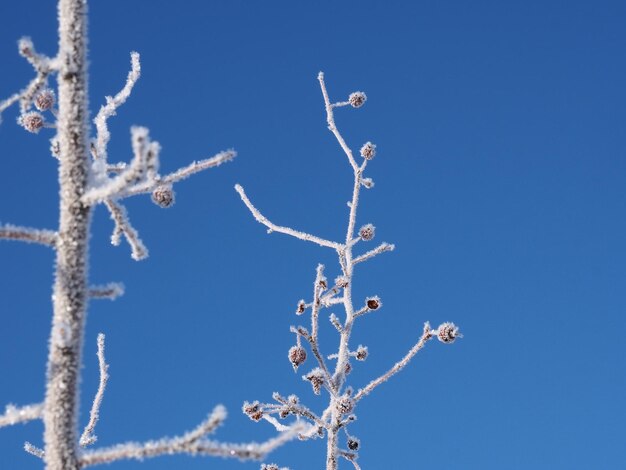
{"points": [[88, 437], [330, 118], [286, 230], [34, 450], [29, 235], [188, 444], [382, 248], [14, 415], [108, 110], [110, 291], [124, 227], [426, 335]]}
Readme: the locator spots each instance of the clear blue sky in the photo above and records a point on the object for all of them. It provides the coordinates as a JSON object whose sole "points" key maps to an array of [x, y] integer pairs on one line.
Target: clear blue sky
{"points": [[500, 177]]}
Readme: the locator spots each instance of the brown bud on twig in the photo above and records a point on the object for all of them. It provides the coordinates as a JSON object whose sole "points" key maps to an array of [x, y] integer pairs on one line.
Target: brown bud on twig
{"points": [[44, 99], [32, 121], [253, 410], [368, 151], [300, 308], [448, 332], [297, 355], [367, 232], [344, 405], [316, 377], [353, 443], [361, 353], [373, 303], [163, 196], [357, 99]]}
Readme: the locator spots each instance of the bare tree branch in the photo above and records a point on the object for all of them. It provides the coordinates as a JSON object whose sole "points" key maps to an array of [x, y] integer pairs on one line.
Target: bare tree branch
{"points": [[29, 235], [88, 437], [286, 230], [14, 415], [191, 443]]}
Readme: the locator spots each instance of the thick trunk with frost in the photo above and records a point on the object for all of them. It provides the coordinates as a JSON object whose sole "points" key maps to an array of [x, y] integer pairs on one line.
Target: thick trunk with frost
{"points": [[70, 288]]}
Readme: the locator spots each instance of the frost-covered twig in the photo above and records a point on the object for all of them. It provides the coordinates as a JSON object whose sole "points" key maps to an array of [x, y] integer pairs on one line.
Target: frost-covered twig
{"points": [[286, 230], [192, 443], [110, 291], [14, 415], [124, 227], [426, 335], [43, 67], [382, 248], [112, 103], [27, 234], [330, 119], [34, 450], [88, 437]]}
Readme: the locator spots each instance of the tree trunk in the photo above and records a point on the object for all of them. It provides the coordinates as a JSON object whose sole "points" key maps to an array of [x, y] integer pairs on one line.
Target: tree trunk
{"points": [[70, 286]]}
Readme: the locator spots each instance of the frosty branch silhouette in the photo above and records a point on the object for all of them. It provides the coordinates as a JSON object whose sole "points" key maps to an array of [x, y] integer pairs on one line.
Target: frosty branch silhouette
{"points": [[339, 413], [87, 179]]}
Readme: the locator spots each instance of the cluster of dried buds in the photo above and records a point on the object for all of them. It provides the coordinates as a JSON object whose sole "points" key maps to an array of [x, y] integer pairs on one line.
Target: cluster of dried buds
{"points": [[34, 121]]}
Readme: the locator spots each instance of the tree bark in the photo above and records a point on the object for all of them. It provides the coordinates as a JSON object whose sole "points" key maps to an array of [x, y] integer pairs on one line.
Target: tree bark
{"points": [[70, 298]]}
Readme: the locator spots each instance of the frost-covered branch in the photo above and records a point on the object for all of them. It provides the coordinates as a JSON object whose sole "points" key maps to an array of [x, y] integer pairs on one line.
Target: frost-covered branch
{"points": [[43, 67], [29, 235], [34, 450], [286, 230], [13, 415], [110, 291], [88, 437], [426, 335], [124, 227], [193, 443], [382, 248], [340, 410], [112, 103], [330, 119]]}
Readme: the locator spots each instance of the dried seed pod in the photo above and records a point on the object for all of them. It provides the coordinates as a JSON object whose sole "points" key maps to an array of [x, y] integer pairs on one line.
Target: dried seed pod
{"points": [[253, 410], [367, 232], [373, 303], [32, 121], [316, 377], [163, 196], [44, 100], [341, 281], [353, 443], [357, 99], [368, 183], [344, 405], [448, 332], [297, 355], [361, 353], [368, 151]]}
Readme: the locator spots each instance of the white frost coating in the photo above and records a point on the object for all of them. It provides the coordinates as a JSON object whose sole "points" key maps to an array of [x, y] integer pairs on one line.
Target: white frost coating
{"points": [[110, 291], [31, 449], [338, 414], [286, 230], [88, 437], [27, 234], [124, 227], [14, 415], [112, 103], [43, 67], [193, 443]]}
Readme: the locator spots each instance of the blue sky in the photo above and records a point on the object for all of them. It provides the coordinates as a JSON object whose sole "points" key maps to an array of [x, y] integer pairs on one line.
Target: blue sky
{"points": [[501, 134]]}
